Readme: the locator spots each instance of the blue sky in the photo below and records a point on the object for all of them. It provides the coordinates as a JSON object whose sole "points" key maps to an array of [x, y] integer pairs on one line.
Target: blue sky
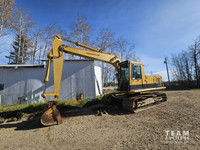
{"points": [[158, 28]]}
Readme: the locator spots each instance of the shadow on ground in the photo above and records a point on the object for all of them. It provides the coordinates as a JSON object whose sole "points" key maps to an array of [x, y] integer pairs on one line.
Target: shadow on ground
{"points": [[90, 108]]}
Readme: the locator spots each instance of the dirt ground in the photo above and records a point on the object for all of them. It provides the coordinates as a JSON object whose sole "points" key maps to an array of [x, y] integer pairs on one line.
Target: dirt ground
{"points": [[117, 129]]}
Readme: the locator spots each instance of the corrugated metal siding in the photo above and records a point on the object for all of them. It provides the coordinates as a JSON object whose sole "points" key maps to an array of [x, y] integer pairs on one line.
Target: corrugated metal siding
{"points": [[78, 77], [19, 83]]}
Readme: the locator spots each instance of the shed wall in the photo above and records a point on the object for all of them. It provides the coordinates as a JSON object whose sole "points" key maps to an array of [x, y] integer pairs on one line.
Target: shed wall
{"points": [[78, 77]]}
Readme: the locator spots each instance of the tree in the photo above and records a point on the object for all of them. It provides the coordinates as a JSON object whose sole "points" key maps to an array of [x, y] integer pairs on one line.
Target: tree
{"points": [[105, 42], [21, 23], [20, 58], [81, 30], [37, 34], [194, 51], [125, 49], [5, 14], [48, 34], [185, 65], [105, 39], [182, 69]]}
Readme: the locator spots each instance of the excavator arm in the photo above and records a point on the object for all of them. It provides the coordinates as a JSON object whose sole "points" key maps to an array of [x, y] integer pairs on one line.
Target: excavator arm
{"points": [[52, 115]]}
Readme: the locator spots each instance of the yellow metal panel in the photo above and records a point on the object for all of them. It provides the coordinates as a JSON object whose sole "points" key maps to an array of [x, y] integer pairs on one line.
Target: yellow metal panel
{"points": [[57, 65], [95, 55], [149, 89], [136, 63], [146, 79]]}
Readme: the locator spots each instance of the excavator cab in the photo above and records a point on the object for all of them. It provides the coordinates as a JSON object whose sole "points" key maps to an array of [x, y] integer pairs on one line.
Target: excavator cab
{"points": [[131, 75], [133, 79]]}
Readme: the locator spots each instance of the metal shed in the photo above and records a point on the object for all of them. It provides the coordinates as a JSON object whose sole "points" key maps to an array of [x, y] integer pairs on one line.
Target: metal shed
{"points": [[24, 83]]}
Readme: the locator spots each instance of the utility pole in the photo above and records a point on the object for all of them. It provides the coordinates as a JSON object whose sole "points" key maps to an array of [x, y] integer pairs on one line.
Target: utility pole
{"points": [[167, 70]]}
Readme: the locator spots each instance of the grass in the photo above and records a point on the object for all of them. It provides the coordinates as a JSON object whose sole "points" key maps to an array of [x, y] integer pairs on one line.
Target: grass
{"points": [[195, 89], [73, 103], [33, 109], [18, 107], [98, 97]]}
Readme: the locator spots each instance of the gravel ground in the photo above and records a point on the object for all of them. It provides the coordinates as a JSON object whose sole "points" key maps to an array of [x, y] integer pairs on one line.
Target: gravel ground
{"points": [[116, 129]]}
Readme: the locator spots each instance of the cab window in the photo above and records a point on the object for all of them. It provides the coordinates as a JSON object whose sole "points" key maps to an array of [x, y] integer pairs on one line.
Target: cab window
{"points": [[136, 72], [124, 72]]}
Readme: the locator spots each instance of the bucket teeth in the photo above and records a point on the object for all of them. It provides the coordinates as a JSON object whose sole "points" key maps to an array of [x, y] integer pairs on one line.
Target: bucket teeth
{"points": [[51, 116]]}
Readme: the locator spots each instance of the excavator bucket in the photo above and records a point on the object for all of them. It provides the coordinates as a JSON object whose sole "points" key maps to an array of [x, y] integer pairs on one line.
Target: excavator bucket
{"points": [[51, 116]]}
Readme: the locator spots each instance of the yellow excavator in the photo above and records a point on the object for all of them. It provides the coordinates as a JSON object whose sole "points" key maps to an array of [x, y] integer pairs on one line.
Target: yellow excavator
{"points": [[136, 90]]}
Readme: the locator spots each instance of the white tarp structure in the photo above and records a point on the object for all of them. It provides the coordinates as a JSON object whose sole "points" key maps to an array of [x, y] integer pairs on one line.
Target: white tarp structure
{"points": [[24, 83]]}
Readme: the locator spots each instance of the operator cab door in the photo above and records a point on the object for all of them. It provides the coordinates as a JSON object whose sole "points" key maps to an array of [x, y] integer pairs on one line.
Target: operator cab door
{"points": [[124, 76], [136, 81]]}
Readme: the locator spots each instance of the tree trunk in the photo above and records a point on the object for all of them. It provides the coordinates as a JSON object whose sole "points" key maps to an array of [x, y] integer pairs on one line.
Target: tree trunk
{"points": [[1, 28], [20, 36], [35, 49]]}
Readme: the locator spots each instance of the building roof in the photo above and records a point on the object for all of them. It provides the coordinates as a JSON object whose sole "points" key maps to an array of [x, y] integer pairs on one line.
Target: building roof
{"points": [[21, 66], [75, 60], [36, 65]]}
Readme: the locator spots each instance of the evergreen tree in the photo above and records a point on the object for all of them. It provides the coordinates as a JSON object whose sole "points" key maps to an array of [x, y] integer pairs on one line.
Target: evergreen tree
{"points": [[20, 54]]}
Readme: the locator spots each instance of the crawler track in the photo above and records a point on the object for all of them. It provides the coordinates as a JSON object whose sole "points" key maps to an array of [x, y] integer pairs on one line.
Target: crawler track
{"points": [[133, 103]]}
